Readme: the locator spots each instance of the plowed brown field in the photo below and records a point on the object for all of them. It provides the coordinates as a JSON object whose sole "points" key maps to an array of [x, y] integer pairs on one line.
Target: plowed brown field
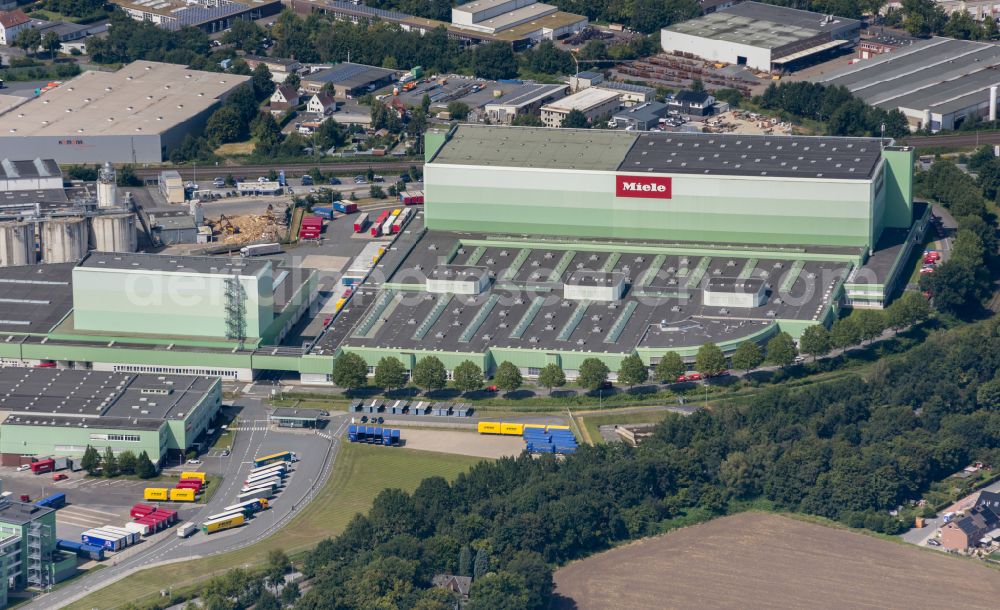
{"points": [[759, 560]]}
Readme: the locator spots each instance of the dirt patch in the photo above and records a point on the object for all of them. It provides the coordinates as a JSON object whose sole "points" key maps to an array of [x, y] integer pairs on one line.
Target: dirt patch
{"points": [[463, 443], [757, 560]]}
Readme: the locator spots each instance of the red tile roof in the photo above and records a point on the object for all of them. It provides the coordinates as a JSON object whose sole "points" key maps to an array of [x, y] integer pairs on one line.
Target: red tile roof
{"points": [[13, 18]]}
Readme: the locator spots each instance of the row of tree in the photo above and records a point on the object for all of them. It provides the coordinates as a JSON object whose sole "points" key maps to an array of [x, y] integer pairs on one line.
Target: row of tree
{"points": [[350, 371], [843, 114], [851, 449], [110, 465], [962, 284], [925, 18]]}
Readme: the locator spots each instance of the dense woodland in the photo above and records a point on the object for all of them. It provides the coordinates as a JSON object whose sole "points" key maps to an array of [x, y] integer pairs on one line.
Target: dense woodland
{"points": [[850, 450]]}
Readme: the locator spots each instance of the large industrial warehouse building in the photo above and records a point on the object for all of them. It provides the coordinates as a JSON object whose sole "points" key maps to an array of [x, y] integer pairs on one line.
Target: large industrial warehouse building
{"points": [[762, 36], [50, 412], [134, 115], [937, 83], [535, 246]]}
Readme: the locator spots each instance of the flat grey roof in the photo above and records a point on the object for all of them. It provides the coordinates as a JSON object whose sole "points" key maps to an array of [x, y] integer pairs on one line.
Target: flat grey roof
{"points": [[350, 75], [734, 284], [742, 155], [940, 74], [458, 272], [179, 264], [527, 94], [524, 309], [35, 298], [20, 513], [289, 413], [49, 396], [34, 168], [789, 16], [670, 153], [144, 97], [650, 111], [594, 278]]}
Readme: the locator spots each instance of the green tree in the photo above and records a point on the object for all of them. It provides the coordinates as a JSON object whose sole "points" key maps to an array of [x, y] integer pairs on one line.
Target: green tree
{"points": [[278, 565], [593, 374], [459, 111], [226, 125], [91, 461], [28, 39], [537, 575], [51, 43], [465, 561], [910, 308], [815, 341], [329, 134], [109, 464], [710, 361], [244, 35], [528, 120], [350, 371], [376, 192], [670, 367], [500, 591], [507, 377], [127, 462], [551, 376], [128, 177], [988, 394], [144, 467], [390, 373], [494, 60], [429, 374], [844, 333], [747, 356], [575, 119], [293, 80], [290, 593], [425, 103], [266, 601], [468, 376], [266, 132], [632, 370], [871, 323], [261, 82], [781, 349], [481, 565]]}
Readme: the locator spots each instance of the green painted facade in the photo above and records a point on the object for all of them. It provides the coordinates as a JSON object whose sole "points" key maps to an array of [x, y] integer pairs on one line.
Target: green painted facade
{"points": [[171, 434], [167, 303], [47, 544]]}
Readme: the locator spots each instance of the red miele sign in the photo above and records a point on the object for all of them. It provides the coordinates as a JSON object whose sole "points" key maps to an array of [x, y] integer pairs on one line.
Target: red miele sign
{"points": [[646, 187]]}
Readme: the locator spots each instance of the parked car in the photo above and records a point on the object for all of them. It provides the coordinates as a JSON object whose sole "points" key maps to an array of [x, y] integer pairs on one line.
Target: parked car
{"points": [[194, 461], [334, 180], [692, 377], [934, 542], [607, 385], [59, 477], [23, 467], [491, 388]]}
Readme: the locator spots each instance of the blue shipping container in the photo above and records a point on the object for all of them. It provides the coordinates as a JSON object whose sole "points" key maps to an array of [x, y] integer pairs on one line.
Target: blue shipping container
{"points": [[352, 433], [395, 437], [54, 501], [106, 543], [326, 213]]}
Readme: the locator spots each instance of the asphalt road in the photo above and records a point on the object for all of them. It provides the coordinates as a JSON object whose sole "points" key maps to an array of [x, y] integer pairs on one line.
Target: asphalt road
{"points": [[317, 451], [291, 169]]}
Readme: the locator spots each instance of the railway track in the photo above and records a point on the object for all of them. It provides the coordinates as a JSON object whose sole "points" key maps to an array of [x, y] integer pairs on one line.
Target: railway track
{"points": [[293, 169]]}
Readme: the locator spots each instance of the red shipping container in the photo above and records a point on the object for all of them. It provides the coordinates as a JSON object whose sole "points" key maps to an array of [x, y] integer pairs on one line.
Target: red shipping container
{"points": [[153, 524], [198, 481], [312, 221], [43, 466], [141, 510]]}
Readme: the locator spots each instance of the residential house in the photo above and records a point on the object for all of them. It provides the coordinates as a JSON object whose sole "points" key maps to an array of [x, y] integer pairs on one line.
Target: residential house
{"points": [[321, 103], [279, 67], [642, 117], [460, 585], [695, 103], [11, 23], [980, 522], [284, 99]]}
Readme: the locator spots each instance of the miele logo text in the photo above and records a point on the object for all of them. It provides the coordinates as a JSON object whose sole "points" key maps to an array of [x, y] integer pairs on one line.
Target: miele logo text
{"points": [[642, 186]]}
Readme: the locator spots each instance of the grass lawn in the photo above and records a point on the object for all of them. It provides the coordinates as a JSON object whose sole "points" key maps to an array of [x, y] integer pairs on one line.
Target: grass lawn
{"points": [[235, 148], [593, 422], [360, 473]]}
